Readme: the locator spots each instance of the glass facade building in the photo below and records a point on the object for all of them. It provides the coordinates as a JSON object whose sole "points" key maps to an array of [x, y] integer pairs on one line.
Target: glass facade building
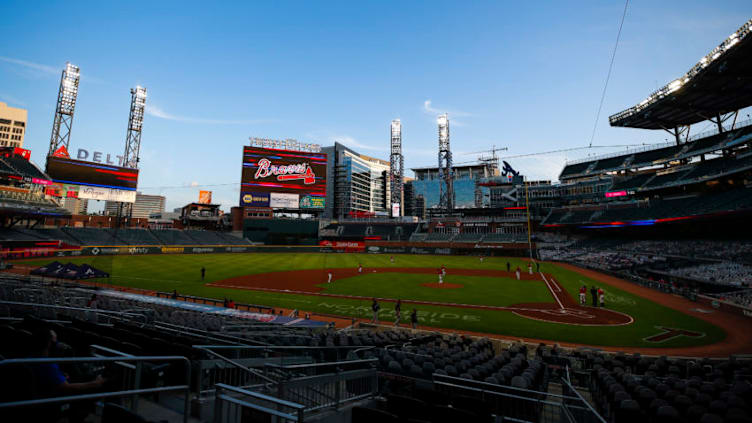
{"points": [[355, 183]]}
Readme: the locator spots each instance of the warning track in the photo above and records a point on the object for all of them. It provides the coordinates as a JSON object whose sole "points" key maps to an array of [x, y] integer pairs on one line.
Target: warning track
{"points": [[564, 309]]}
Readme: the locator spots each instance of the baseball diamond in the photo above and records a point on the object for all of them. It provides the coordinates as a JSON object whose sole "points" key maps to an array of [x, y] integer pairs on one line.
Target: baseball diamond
{"points": [[541, 306]]}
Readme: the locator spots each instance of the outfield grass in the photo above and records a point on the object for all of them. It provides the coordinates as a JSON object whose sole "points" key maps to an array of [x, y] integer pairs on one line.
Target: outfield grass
{"points": [[182, 272], [476, 290]]}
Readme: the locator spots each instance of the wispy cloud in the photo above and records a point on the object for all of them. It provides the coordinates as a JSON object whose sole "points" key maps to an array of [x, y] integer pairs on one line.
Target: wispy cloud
{"points": [[428, 108], [31, 65], [45, 70], [355, 144], [160, 113]]}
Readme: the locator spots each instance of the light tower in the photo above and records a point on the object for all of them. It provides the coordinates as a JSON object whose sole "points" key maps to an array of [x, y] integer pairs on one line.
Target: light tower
{"points": [[66, 104], [135, 122], [396, 166], [446, 174], [133, 141]]}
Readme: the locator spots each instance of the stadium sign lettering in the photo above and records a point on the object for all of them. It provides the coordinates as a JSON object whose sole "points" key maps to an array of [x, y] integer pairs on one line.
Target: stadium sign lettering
{"points": [[203, 250], [288, 144], [173, 250], [236, 249], [285, 172], [137, 250], [83, 154]]}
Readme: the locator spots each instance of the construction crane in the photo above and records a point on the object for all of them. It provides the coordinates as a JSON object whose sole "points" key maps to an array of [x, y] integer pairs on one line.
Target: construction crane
{"points": [[491, 161]]}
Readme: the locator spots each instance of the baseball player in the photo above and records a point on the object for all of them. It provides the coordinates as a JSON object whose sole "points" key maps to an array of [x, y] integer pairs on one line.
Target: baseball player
{"points": [[441, 276], [330, 277], [583, 295], [360, 268], [517, 272], [530, 268]]}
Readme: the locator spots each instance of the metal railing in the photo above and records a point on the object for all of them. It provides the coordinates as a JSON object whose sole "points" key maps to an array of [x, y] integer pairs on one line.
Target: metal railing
{"points": [[583, 411], [100, 395], [296, 398], [227, 371], [85, 313], [522, 405], [230, 403], [330, 390], [516, 407], [250, 365]]}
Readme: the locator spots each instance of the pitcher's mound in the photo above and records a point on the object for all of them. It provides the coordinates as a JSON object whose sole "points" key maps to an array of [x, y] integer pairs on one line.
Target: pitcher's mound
{"points": [[442, 285]]}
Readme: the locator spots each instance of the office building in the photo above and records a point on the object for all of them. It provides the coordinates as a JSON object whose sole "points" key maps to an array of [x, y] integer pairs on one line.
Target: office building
{"points": [[75, 205], [12, 126], [469, 188], [356, 184], [142, 208]]}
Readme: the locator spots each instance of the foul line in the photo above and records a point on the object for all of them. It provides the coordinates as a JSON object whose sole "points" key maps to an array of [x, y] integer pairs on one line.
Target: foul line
{"points": [[552, 291]]}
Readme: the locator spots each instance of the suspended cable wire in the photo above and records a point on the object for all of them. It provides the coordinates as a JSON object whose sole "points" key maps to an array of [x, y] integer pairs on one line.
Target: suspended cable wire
{"points": [[608, 76], [564, 150]]}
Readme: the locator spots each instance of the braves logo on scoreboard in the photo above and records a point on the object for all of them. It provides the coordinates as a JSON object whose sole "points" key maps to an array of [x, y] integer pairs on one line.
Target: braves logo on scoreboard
{"points": [[288, 172]]}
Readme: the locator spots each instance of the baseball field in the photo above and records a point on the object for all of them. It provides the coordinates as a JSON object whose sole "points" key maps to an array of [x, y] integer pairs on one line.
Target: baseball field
{"points": [[475, 296]]}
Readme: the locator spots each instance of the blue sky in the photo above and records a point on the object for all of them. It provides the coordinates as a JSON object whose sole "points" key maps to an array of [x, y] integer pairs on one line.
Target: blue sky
{"points": [[524, 75]]}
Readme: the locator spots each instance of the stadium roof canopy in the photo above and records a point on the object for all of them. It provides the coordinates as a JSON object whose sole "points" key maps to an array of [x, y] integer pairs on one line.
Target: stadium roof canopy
{"points": [[719, 83]]}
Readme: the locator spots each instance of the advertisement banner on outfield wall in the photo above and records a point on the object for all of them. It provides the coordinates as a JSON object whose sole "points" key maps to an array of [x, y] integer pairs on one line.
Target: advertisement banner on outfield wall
{"points": [[343, 246], [279, 200]]}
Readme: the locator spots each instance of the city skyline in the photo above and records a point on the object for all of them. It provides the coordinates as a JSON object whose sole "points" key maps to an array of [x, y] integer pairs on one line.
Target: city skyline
{"points": [[529, 79]]}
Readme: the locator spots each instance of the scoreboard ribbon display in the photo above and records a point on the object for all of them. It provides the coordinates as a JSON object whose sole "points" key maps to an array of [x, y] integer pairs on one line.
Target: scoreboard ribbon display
{"points": [[77, 172], [267, 173]]}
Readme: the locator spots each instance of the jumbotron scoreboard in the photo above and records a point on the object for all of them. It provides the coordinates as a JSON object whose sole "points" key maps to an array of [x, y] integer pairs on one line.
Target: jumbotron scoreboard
{"points": [[280, 176]]}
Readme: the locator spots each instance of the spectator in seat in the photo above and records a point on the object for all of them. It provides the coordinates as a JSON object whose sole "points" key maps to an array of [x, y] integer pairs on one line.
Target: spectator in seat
{"points": [[50, 381]]}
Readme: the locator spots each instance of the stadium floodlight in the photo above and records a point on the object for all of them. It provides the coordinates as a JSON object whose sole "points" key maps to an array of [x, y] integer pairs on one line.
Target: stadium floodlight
{"points": [[66, 105], [135, 124], [396, 166], [446, 176], [674, 85]]}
